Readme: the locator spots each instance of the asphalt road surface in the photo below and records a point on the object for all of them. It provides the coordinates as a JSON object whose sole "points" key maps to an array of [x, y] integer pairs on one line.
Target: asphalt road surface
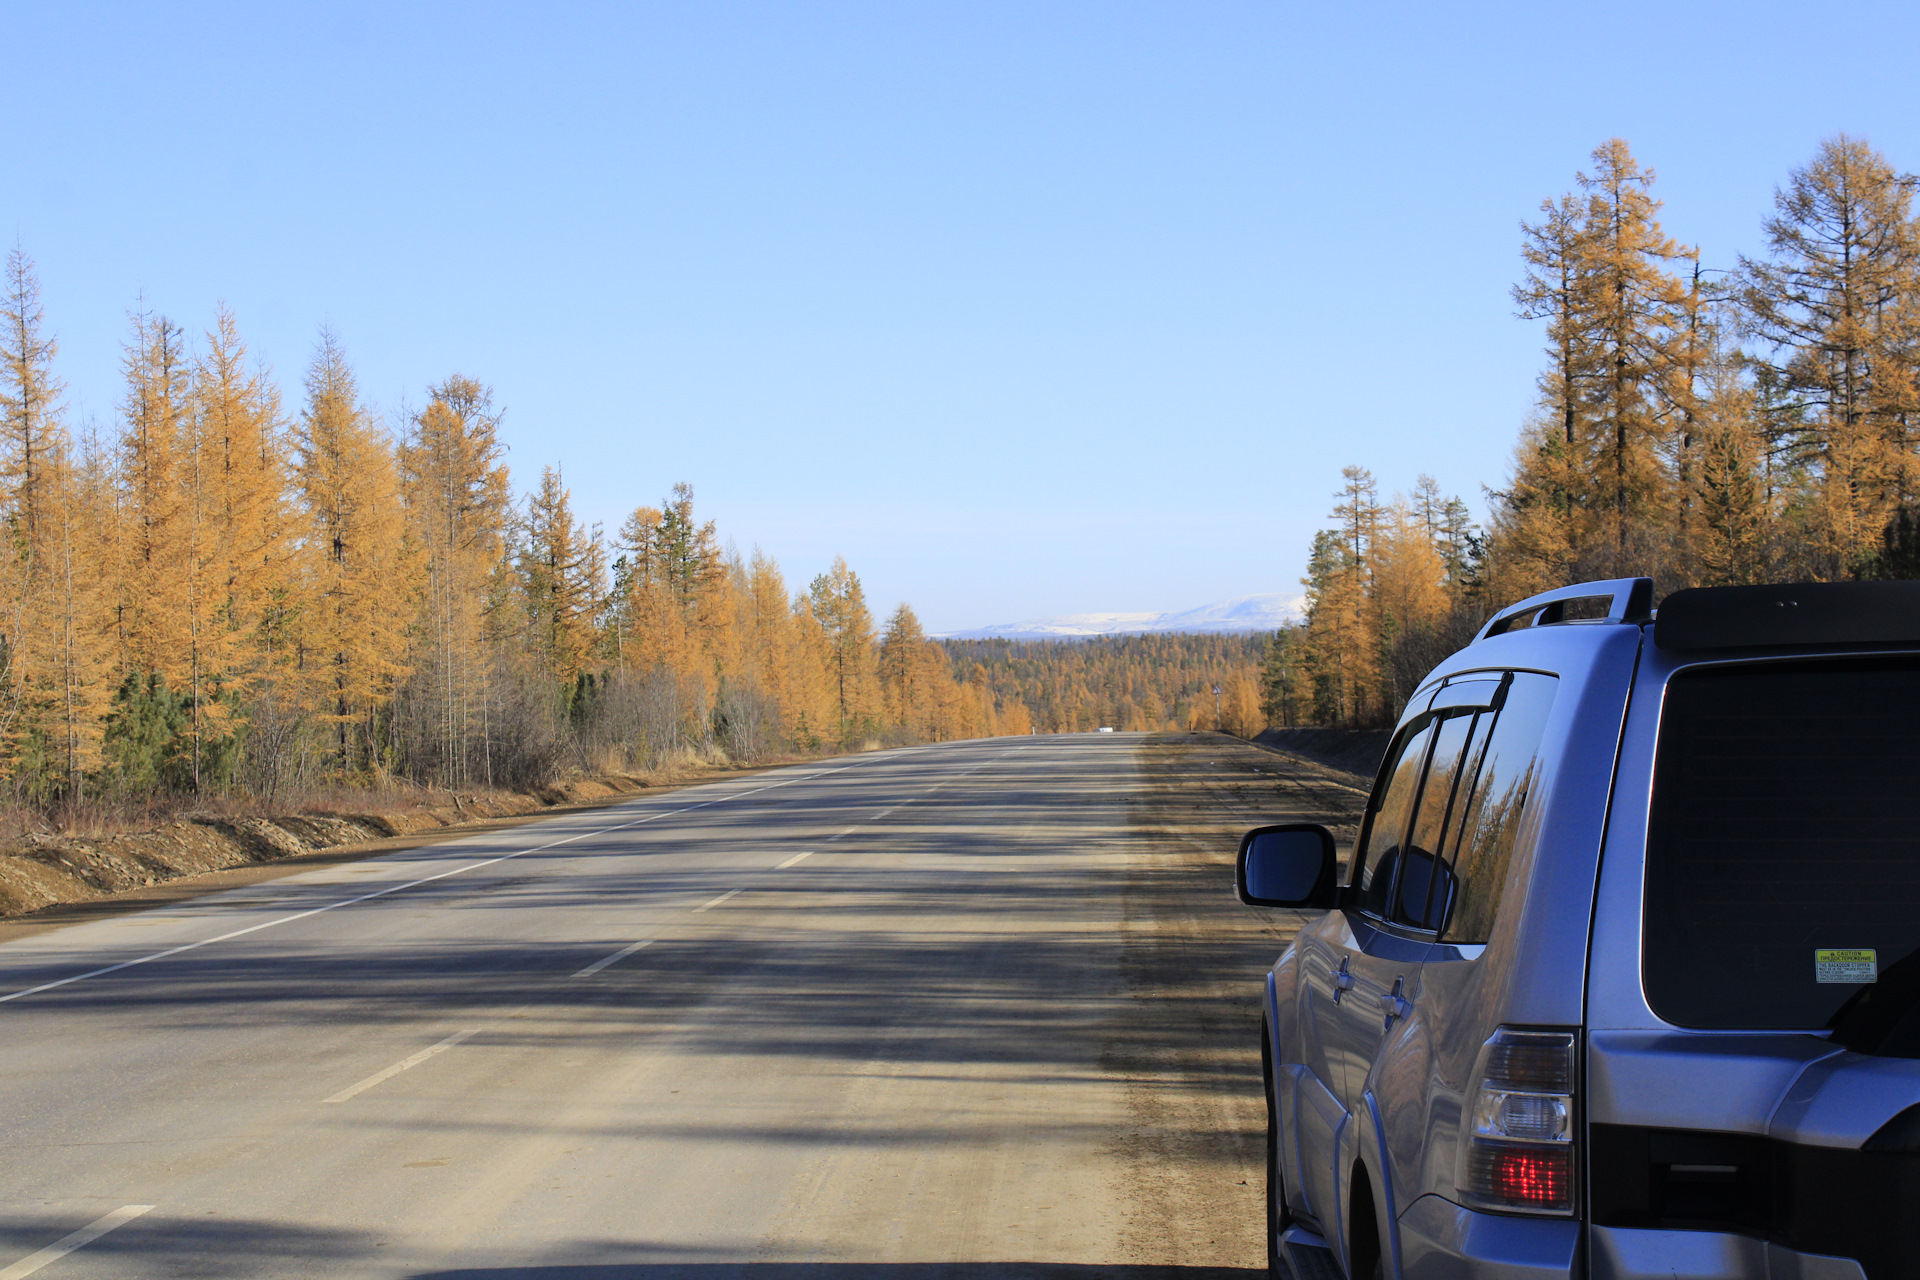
{"points": [[977, 1010]]}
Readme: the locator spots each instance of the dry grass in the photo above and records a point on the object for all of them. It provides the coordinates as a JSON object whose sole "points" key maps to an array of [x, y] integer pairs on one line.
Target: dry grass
{"points": [[112, 816], [108, 816]]}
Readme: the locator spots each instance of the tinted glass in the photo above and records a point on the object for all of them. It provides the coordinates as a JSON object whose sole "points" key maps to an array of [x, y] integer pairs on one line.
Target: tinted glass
{"points": [[1495, 801], [1418, 904], [1382, 852], [1783, 846], [1285, 865]]}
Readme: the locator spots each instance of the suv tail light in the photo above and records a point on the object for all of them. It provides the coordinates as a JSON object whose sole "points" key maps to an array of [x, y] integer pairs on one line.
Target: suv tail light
{"points": [[1519, 1152]]}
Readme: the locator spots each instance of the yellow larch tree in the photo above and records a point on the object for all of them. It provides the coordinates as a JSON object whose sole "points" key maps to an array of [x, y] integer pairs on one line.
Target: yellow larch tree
{"points": [[1342, 655], [979, 720], [653, 632], [236, 539], [1731, 534], [814, 714], [246, 473], [1637, 329], [840, 605], [156, 554], [1409, 603], [907, 687], [1013, 716], [1541, 518], [694, 570], [458, 508], [770, 630], [82, 608], [726, 612], [561, 568], [1836, 305], [33, 451], [30, 396], [360, 591]]}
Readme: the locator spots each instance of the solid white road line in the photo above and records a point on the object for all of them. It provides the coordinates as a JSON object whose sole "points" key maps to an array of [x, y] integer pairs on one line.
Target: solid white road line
{"points": [[621, 954], [798, 857], [405, 1064], [411, 884], [708, 906], [67, 1244]]}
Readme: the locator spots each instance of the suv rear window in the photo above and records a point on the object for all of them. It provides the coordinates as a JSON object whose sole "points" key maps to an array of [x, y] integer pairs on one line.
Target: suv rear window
{"points": [[1783, 844]]}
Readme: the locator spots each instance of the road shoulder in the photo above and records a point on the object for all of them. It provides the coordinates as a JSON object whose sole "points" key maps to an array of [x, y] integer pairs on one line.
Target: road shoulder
{"points": [[77, 893], [1185, 1040]]}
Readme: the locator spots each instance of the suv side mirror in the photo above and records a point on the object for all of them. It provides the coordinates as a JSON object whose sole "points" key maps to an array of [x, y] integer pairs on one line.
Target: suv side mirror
{"points": [[1287, 866]]}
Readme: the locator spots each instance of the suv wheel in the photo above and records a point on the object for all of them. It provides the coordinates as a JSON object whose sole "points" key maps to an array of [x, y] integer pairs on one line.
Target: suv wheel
{"points": [[1364, 1253], [1278, 1218]]}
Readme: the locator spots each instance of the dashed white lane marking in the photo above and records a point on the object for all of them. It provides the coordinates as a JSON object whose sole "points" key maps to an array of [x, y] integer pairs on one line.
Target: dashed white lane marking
{"points": [[930, 787], [708, 906], [411, 884], [67, 1244], [802, 856], [405, 1064], [621, 954]]}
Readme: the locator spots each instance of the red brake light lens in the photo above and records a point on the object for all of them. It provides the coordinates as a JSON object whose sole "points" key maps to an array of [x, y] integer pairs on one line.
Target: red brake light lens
{"points": [[1529, 1177]]}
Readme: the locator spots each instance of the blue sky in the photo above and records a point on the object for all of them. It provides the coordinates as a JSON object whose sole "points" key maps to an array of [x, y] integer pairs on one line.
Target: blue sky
{"points": [[1025, 308]]}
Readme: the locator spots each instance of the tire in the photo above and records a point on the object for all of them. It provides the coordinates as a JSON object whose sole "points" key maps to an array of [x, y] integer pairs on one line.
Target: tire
{"points": [[1278, 1216], [1363, 1241]]}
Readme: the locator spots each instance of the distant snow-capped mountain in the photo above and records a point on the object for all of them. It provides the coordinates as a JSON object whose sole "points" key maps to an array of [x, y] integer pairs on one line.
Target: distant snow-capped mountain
{"points": [[1243, 613]]}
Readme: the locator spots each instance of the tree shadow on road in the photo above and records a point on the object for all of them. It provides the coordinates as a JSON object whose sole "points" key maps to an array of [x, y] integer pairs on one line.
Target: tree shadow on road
{"points": [[212, 1248], [843, 1271]]}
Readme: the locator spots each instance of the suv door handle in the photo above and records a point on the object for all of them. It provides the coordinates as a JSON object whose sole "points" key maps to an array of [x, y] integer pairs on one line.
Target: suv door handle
{"points": [[1396, 1005], [1342, 982]]}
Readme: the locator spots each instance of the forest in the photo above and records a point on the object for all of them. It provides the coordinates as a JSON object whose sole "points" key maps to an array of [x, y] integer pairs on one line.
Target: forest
{"points": [[226, 596], [1700, 425], [1159, 682], [223, 595]]}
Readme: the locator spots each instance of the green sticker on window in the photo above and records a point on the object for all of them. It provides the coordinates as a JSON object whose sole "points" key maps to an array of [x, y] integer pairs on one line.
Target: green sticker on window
{"points": [[1845, 965]]}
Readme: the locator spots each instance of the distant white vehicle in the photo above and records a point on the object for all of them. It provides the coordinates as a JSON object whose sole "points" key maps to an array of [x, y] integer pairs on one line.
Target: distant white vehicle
{"points": [[1105, 728]]}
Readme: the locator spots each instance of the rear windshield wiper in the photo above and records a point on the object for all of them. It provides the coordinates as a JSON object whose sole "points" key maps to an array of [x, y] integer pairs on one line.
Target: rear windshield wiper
{"points": [[1883, 1018]]}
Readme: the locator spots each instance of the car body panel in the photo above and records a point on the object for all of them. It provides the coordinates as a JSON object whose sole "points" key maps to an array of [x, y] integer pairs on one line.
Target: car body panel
{"points": [[1842, 1099], [1623, 1253], [1689, 1080], [1440, 1240]]}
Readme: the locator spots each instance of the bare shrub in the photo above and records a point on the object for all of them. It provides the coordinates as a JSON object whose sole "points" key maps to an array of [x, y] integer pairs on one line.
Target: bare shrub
{"points": [[280, 754], [745, 720], [523, 747]]}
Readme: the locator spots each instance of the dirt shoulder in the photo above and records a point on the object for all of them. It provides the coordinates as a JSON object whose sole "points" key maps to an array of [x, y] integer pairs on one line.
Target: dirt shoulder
{"points": [[48, 882], [1349, 751], [1187, 1037]]}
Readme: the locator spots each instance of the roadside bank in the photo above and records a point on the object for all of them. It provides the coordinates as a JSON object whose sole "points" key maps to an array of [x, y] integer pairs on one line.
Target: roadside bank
{"points": [[52, 880]]}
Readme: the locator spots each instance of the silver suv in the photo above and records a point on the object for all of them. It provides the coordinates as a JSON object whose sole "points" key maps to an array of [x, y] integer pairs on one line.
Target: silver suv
{"points": [[1623, 978]]}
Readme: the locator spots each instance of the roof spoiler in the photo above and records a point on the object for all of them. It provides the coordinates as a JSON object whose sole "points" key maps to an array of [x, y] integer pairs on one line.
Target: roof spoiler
{"points": [[1789, 613], [1615, 600]]}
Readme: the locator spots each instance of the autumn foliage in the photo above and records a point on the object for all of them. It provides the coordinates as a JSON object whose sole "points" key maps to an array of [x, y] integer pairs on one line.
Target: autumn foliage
{"points": [[226, 594], [1163, 682], [1757, 422]]}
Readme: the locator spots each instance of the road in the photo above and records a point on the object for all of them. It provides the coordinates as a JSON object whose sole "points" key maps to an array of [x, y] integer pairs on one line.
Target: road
{"points": [[976, 1010]]}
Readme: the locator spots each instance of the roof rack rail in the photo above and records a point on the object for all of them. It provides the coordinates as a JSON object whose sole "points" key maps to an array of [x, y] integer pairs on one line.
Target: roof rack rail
{"points": [[1624, 600]]}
